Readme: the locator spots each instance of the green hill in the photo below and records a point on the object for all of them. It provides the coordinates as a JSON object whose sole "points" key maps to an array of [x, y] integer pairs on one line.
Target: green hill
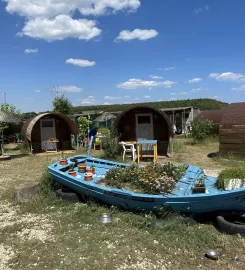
{"points": [[202, 104]]}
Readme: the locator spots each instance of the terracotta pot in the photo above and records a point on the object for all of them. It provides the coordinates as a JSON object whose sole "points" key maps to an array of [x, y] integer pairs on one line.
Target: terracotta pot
{"points": [[72, 173], [88, 176], [82, 167], [63, 162], [89, 170]]}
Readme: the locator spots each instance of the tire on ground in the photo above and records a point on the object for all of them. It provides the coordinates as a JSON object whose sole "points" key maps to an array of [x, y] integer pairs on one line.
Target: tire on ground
{"points": [[231, 222], [68, 196]]}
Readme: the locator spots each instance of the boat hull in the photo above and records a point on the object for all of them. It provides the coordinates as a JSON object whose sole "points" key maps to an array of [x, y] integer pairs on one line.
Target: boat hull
{"points": [[182, 199]]}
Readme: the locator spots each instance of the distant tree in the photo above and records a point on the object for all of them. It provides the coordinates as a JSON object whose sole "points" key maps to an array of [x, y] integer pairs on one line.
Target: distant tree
{"points": [[62, 104], [10, 108], [83, 124], [201, 103], [28, 115]]}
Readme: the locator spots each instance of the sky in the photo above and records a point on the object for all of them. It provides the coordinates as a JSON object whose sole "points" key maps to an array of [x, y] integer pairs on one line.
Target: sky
{"points": [[120, 51]]}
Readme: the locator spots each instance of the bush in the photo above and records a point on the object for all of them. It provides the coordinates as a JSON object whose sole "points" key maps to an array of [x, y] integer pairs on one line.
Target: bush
{"points": [[110, 145], [227, 174], [202, 130], [152, 179]]}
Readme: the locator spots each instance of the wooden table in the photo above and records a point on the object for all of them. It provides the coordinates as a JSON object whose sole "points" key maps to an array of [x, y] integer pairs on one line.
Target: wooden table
{"points": [[52, 142], [149, 142]]}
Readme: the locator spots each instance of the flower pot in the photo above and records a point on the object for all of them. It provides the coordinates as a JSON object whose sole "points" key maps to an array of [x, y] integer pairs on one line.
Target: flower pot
{"points": [[89, 170], [198, 189], [88, 176], [82, 167], [72, 173], [63, 162]]}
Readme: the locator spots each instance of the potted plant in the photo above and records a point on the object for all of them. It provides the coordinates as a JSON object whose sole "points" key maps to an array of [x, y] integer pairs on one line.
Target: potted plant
{"points": [[199, 187], [88, 176], [89, 169], [82, 167], [63, 160], [72, 171], [93, 168]]}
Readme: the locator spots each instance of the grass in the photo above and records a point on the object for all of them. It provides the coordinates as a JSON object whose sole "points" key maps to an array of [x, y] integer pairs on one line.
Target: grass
{"points": [[48, 233]]}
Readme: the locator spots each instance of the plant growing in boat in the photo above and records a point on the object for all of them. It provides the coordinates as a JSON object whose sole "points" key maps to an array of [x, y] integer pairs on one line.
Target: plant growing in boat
{"points": [[152, 179], [93, 168], [199, 187], [88, 176], [63, 160], [230, 178], [71, 170]]}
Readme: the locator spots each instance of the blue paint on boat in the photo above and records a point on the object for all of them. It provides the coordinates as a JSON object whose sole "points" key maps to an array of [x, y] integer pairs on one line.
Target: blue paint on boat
{"points": [[181, 199]]}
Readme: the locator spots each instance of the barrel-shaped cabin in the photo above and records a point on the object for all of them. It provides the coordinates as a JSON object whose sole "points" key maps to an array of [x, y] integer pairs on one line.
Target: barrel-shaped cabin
{"points": [[145, 122], [41, 130]]}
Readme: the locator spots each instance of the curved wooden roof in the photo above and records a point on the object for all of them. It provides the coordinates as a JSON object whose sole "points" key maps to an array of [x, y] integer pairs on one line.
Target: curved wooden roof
{"points": [[30, 123], [214, 115], [234, 114], [164, 116]]}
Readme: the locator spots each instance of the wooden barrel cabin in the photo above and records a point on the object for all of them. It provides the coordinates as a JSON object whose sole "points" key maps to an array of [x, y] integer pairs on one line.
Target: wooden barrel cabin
{"points": [[37, 131], [145, 122], [232, 131]]}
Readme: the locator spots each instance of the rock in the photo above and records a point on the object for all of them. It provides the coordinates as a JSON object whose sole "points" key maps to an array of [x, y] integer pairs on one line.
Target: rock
{"points": [[25, 192]]}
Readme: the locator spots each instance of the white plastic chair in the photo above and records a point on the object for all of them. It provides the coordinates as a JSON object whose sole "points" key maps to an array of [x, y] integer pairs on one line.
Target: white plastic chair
{"points": [[128, 148]]}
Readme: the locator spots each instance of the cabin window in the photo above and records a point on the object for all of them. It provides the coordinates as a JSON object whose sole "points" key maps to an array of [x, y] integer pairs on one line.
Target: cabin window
{"points": [[146, 119], [47, 123]]}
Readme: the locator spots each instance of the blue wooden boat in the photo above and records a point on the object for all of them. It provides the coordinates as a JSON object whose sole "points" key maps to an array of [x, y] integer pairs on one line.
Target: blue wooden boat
{"points": [[182, 198]]}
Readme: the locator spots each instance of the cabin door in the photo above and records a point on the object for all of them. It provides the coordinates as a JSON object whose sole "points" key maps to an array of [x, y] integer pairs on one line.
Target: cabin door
{"points": [[47, 131], [144, 127]]}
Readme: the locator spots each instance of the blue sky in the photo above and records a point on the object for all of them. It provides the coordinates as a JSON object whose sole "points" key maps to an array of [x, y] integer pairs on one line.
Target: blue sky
{"points": [[121, 51]]}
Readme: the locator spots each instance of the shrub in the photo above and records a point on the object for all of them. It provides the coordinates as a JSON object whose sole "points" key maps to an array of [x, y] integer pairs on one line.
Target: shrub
{"points": [[110, 145], [202, 130], [227, 174], [152, 179]]}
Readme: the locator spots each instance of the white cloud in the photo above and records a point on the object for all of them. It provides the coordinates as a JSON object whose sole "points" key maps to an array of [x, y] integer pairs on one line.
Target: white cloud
{"points": [[195, 80], [89, 100], [106, 103], [241, 88], [138, 83], [168, 68], [30, 50], [173, 94], [59, 28], [52, 19], [198, 10], [51, 8], [37, 91], [195, 90], [126, 96], [184, 93], [215, 97], [29, 98], [141, 34], [80, 62], [227, 76], [70, 89], [173, 99], [111, 98], [147, 96], [156, 77]]}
